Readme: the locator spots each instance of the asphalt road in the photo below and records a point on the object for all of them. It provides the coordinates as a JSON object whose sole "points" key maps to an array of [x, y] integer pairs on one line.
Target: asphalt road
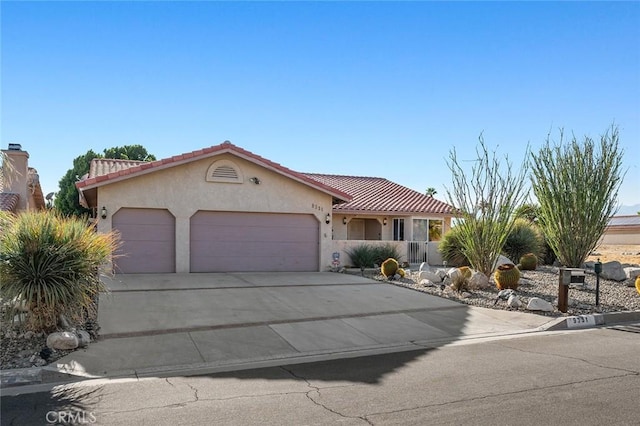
{"points": [[590, 377]]}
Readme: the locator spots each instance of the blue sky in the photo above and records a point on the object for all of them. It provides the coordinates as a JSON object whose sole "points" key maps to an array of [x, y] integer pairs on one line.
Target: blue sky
{"points": [[372, 89]]}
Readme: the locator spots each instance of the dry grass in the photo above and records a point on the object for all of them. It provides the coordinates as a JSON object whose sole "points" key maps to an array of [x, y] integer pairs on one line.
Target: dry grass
{"points": [[622, 253]]}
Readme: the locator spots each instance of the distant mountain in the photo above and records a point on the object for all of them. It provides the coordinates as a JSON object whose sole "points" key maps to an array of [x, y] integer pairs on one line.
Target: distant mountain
{"points": [[628, 210]]}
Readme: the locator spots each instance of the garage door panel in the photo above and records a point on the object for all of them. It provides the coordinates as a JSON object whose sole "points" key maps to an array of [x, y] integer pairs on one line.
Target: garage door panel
{"points": [[241, 241], [148, 241], [285, 250]]}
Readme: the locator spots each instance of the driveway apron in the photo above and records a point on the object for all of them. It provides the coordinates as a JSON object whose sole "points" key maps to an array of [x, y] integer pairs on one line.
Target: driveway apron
{"points": [[167, 322]]}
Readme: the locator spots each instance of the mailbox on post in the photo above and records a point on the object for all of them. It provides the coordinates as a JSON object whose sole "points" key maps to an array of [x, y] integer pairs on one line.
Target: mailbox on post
{"points": [[568, 276]]}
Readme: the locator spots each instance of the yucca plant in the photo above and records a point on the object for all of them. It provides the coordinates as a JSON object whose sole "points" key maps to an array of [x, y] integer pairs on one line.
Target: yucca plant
{"points": [[52, 265]]}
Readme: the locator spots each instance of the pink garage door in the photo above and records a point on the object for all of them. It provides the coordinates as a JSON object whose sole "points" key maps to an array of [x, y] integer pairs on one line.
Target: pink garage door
{"points": [[238, 241], [148, 241]]}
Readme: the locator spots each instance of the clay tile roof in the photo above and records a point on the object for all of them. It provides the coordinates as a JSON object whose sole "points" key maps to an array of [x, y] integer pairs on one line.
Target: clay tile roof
{"points": [[104, 166], [8, 201], [104, 170], [373, 194]]}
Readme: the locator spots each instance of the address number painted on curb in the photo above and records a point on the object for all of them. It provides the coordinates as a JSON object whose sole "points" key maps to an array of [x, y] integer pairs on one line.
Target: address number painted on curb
{"points": [[581, 321]]}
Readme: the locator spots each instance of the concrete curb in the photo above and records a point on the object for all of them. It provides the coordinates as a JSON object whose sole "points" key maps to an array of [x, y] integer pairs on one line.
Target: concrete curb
{"points": [[593, 320], [38, 379]]}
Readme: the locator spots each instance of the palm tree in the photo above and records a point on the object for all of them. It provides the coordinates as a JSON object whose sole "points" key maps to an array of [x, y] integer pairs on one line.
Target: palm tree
{"points": [[431, 191]]}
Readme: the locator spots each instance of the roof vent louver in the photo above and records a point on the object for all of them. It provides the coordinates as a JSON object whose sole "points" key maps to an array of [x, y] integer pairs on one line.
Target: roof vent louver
{"points": [[224, 172], [15, 147]]}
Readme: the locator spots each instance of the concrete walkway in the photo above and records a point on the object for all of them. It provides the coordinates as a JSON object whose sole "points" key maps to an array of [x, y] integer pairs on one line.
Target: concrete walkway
{"points": [[159, 324]]}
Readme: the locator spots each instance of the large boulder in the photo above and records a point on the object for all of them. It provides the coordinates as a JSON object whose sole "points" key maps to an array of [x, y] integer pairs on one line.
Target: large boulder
{"points": [[537, 304], [613, 271], [64, 340], [478, 281], [428, 275]]}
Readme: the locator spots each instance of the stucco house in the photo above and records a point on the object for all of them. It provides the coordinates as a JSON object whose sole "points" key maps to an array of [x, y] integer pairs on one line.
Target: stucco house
{"points": [[19, 184], [223, 209], [622, 230]]}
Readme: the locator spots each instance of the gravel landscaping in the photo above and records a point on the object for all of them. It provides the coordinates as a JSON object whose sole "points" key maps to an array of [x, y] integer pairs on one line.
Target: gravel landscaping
{"points": [[542, 283]]}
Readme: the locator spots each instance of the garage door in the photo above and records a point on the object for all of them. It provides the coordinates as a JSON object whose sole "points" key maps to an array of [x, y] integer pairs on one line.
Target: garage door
{"points": [[236, 241], [148, 241]]}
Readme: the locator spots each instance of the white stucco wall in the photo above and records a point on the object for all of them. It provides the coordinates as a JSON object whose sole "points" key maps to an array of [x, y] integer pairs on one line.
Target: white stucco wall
{"points": [[183, 190]]}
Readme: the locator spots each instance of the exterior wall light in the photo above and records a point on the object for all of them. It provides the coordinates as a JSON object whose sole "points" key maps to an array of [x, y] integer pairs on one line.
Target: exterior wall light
{"points": [[327, 219], [384, 221], [103, 212], [344, 220], [255, 180]]}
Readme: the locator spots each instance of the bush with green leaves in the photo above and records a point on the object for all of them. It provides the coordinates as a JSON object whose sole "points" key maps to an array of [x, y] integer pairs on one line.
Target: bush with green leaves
{"points": [[451, 248], [51, 264], [384, 252], [368, 255], [525, 237]]}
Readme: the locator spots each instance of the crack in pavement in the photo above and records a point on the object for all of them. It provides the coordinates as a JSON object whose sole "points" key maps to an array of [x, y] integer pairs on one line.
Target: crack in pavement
{"points": [[316, 389], [496, 395], [575, 358]]}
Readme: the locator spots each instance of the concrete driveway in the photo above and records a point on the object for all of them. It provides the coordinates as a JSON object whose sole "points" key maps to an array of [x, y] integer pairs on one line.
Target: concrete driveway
{"points": [[158, 323]]}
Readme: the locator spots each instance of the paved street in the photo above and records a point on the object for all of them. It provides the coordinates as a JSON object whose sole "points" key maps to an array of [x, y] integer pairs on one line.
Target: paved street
{"points": [[590, 377]]}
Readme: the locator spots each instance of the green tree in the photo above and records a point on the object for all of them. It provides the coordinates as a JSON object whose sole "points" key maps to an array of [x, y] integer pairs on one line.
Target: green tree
{"points": [[577, 186], [431, 191], [129, 152], [67, 199], [486, 200]]}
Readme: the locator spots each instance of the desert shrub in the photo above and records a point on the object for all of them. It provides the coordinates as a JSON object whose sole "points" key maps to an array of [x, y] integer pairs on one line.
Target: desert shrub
{"points": [[525, 237], [362, 256], [576, 184], [385, 252], [51, 264], [451, 248], [368, 256]]}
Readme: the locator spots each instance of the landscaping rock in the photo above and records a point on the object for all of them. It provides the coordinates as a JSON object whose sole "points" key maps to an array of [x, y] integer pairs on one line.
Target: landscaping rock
{"points": [[424, 266], [428, 275], [613, 271], [514, 301], [478, 281], [632, 272], [502, 260], [83, 338], [426, 283], [537, 304], [64, 340]]}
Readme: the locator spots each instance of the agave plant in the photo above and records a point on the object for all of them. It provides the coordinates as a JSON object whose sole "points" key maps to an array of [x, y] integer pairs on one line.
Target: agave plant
{"points": [[51, 264]]}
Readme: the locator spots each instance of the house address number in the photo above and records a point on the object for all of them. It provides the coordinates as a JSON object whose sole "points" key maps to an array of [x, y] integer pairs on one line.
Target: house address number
{"points": [[581, 321], [318, 207]]}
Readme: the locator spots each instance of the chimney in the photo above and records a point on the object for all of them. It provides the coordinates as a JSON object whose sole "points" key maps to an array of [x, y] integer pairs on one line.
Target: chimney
{"points": [[15, 176]]}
